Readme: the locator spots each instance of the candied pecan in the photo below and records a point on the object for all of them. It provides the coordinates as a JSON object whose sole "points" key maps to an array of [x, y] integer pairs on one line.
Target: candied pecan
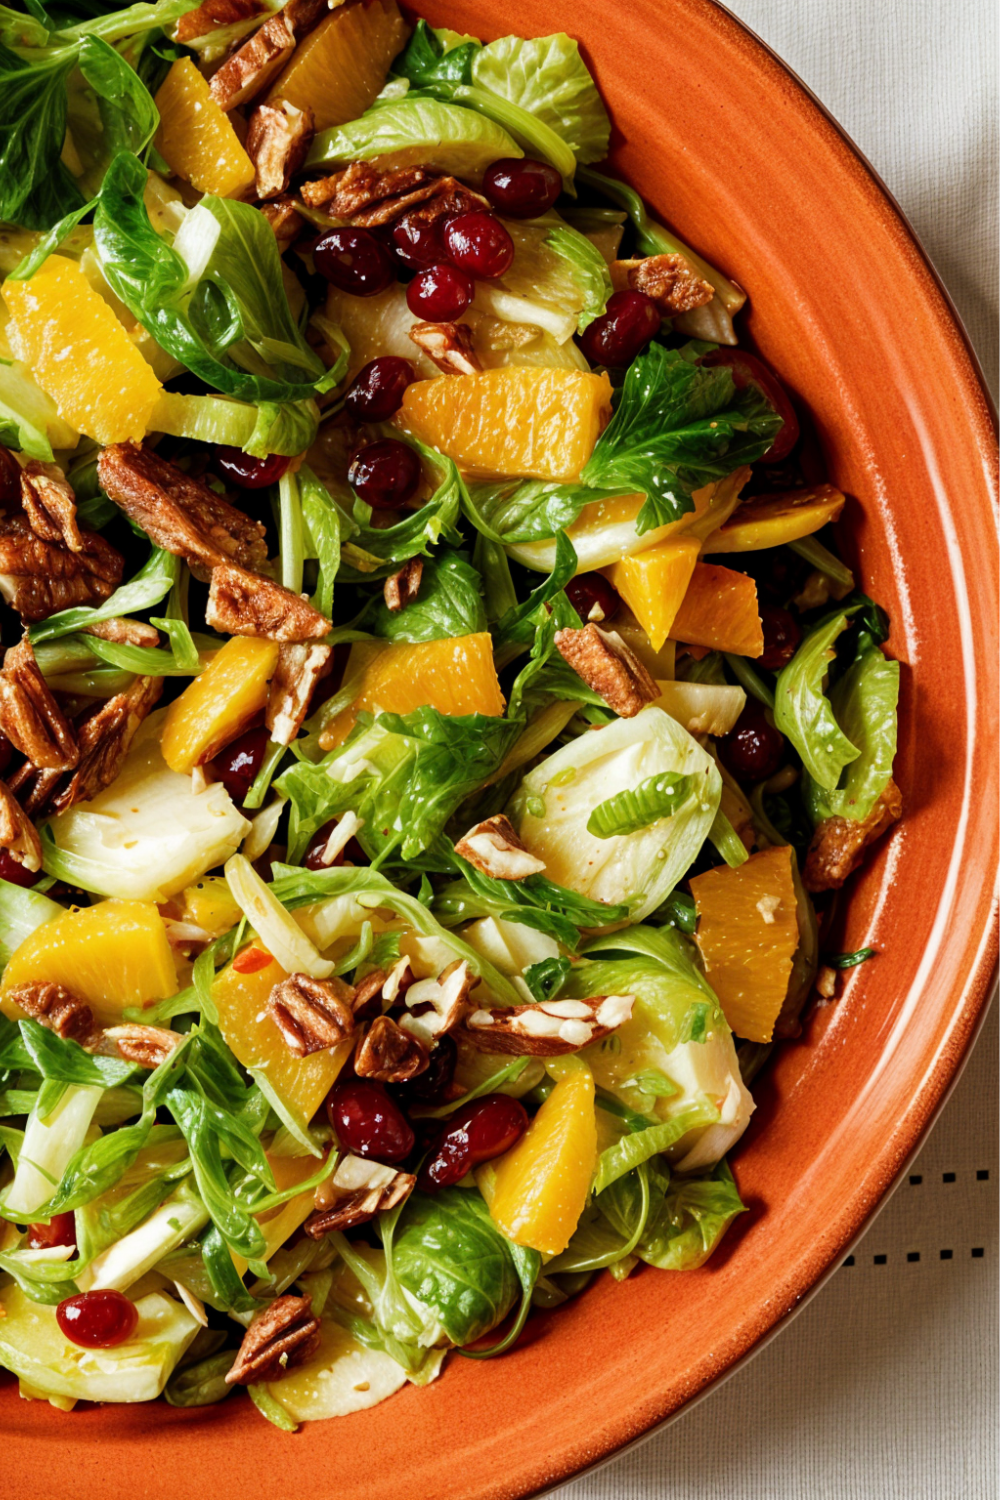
{"points": [[838, 844], [608, 666], [494, 847], [38, 577], [401, 588], [435, 1006], [147, 1046], [32, 787], [126, 632], [245, 603], [548, 1029], [286, 221], [367, 1002], [211, 15], [278, 138], [450, 198], [359, 185], [299, 669], [30, 717], [448, 345], [50, 504], [249, 71], [56, 1008], [388, 1054], [179, 513], [670, 280], [279, 1337], [311, 1014], [358, 1190], [18, 834], [105, 739]]}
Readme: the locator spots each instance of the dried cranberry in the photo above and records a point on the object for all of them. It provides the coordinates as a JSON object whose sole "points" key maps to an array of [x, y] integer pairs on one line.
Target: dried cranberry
{"points": [[97, 1320], [592, 591], [521, 187], [6, 753], [385, 474], [429, 1086], [482, 1130], [478, 243], [754, 748], [440, 294], [418, 241], [354, 261], [749, 370], [376, 392], [368, 1122], [626, 327], [60, 1230], [237, 765], [10, 478], [782, 634], [250, 473], [313, 860], [17, 874]]}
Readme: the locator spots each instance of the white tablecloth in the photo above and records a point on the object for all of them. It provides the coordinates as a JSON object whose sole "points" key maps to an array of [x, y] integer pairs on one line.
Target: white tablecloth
{"points": [[885, 1386]]}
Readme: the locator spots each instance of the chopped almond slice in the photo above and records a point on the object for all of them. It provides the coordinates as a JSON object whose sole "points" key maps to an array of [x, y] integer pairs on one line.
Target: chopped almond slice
{"points": [[436, 1006], [278, 139], [448, 345], [608, 666], [249, 71], [494, 848], [549, 1029], [245, 603]]}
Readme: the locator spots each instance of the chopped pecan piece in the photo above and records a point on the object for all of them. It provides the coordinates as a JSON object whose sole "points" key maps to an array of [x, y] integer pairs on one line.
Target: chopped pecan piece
{"points": [[105, 739], [548, 1029], [278, 1338], [358, 1190], [448, 345], [608, 666], [435, 1006], [38, 577], [50, 504], [299, 669], [388, 1054], [361, 184], [56, 1008], [400, 589], [311, 1014], [211, 15], [33, 788], [838, 844], [30, 717], [367, 1002], [446, 196], [126, 632], [147, 1046], [494, 847], [249, 71], [286, 221], [18, 834], [278, 139], [245, 603], [179, 513], [670, 280]]}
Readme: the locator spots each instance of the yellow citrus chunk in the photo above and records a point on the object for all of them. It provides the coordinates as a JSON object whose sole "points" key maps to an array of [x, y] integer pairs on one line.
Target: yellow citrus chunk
{"points": [[278, 1223], [719, 611], [748, 933], [540, 1186], [341, 65], [80, 354], [654, 583], [111, 955], [455, 675], [534, 422], [208, 904], [196, 139], [219, 703], [776, 520]]}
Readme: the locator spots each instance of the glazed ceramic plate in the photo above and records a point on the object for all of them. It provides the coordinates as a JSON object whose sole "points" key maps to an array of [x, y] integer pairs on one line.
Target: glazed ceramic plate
{"points": [[730, 150]]}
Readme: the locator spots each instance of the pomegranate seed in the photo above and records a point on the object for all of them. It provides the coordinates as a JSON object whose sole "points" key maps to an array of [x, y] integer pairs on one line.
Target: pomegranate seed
{"points": [[237, 765], [376, 392], [249, 473], [97, 1320], [418, 242], [589, 591], [629, 322], [17, 874], [440, 294], [368, 1122], [754, 748], [782, 634], [521, 187], [478, 243], [60, 1230], [430, 1086], [251, 960], [385, 474], [354, 261], [482, 1130]]}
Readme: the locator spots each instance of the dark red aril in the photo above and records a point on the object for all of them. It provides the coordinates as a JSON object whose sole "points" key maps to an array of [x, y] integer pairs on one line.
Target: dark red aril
{"points": [[754, 748], [521, 187], [60, 1230], [376, 392], [440, 294], [368, 1122], [354, 261], [237, 765], [250, 473], [480, 1131], [430, 1086], [418, 241], [478, 243], [16, 873], [623, 331], [590, 592], [385, 474], [97, 1320], [749, 370], [782, 634]]}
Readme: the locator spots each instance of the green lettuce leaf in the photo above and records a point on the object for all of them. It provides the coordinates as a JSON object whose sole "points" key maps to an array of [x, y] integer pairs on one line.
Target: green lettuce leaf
{"points": [[588, 268], [636, 807], [530, 510], [547, 77], [417, 131], [450, 603], [863, 702], [690, 1220], [804, 713]]}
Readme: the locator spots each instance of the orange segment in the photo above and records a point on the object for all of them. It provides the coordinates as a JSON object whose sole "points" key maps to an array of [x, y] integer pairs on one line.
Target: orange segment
{"points": [[535, 422], [719, 611], [455, 676], [112, 955], [748, 933], [195, 138], [80, 354], [219, 703], [341, 65], [654, 583], [776, 520]]}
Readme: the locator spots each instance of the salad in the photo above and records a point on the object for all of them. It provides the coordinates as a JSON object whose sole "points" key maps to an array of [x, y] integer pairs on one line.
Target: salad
{"points": [[434, 722]]}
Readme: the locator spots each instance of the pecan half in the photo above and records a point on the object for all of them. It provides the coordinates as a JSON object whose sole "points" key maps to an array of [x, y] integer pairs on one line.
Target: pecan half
{"points": [[213, 14], [388, 1054], [448, 345], [838, 844], [358, 1190], [18, 834], [400, 589], [311, 1014], [286, 221], [38, 577], [30, 717], [33, 788], [367, 1002], [278, 138], [608, 666], [359, 185], [105, 739], [179, 513], [494, 847], [435, 1006], [548, 1029], [126, 632], [147, 1046], [249, 71], [278, 1338], [50, 504], [56, 1008], [670, 280], [245, 603], [299, 669]]}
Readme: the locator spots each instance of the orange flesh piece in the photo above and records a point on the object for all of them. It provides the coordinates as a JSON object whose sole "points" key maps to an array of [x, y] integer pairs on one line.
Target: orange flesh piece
{"points": [[195, 138], [219, 703], [340, 66], [776, 520], [654, 583], [719, 611], [541, 1185]]}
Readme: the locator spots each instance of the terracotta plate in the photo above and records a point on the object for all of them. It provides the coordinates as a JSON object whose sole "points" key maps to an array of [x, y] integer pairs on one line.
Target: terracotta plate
{"points": [[733, 152]]}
